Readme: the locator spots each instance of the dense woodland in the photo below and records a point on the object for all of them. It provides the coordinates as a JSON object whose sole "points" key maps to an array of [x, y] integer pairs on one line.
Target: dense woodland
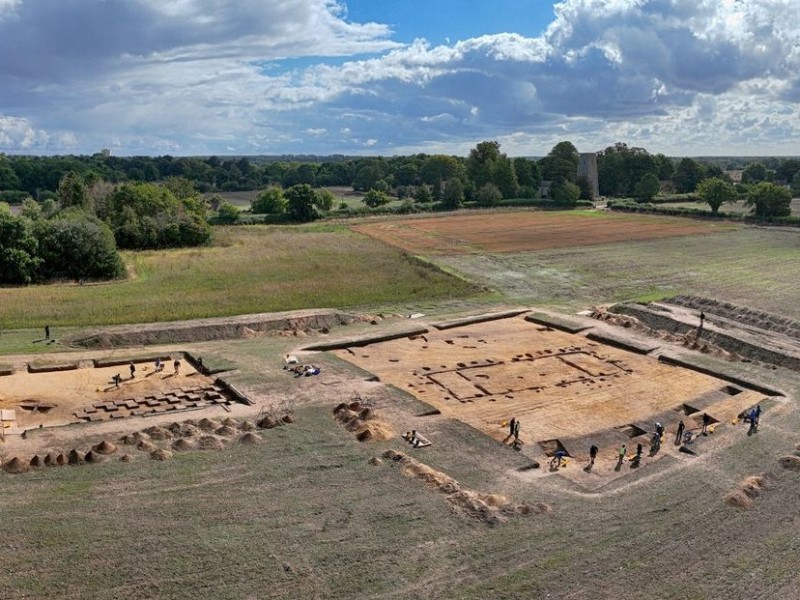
{"points": [[77, 210]]}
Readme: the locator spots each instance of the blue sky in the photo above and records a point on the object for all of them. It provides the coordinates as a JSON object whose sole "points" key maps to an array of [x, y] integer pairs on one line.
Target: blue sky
{"points": [[187, 77]]}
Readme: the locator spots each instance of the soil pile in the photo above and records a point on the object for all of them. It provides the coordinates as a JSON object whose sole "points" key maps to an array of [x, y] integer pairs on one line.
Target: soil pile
{"points": [[210, 442], [267, 422], [158, 433], [93, 457], [226, 431], [248, 426], [76, 457], [50, 460], [37, 461], [61, 459], [133, 439], [126, 458], [747, 490], [105, 447], [182, 445], [184, 429], [492, 509], [790, 462], [145, 446], [16, 466], [207, 424], [364, 422], [249, 439], [160, 454]]}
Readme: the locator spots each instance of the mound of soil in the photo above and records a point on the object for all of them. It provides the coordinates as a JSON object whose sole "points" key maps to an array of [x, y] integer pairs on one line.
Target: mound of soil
{"points": [[182, 445], [133, 439], [393, 455], [267, 423], [339, 408], [287, 419], [753, 485], [375, 461], [61, 460], [93, 457], [76, 457], [226, 431], [738, 499], [248, 426], [207, 424], [417, 470], [105, 447], [158, 433], [210, 442], [250, 439], [146, 446], [374, 430], [16, 466], [366, 414], [229, 422], [354, 406], [160, 454], [126, 458], [790, 462], [37, 461], [50, 460]]}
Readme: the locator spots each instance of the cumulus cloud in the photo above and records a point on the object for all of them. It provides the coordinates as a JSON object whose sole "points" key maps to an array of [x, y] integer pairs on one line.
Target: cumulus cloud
{"points": [[201, 76]]}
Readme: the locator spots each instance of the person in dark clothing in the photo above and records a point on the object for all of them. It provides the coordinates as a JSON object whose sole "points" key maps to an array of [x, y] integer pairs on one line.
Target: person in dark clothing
{"points": [[511, 425], [516, 430], [702, 321], [133, 370], [592, 454], [706, 423], [679, 432], [47, 332], [639, 450]]}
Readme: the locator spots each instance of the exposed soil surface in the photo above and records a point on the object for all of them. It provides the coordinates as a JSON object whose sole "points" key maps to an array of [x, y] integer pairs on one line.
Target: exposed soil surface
{"points": [[522, 231]]}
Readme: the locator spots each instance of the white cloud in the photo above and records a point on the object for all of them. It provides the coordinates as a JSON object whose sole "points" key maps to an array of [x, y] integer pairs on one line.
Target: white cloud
{"points": [[199, 76]]}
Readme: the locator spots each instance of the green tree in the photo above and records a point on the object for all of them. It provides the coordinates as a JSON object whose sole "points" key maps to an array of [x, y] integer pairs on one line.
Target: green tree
{"points": [[325, 199], [647, 187], [754, 173], [270, 201], [565, 193], [488, 195], [228, 213], [453, 195], [181, 187], [19, 259], [302, 202], [560, 164], [78, 246], [375, 198], [481, 161], [770, 200], [422, 194], [688, 174], [73, 191], [715, 192], [795, 189]]}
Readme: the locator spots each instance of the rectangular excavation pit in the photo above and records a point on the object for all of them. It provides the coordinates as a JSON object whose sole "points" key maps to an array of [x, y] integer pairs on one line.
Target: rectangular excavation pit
{"points": [[631, 430], [544, 379], [550, 447], [731, 390]]}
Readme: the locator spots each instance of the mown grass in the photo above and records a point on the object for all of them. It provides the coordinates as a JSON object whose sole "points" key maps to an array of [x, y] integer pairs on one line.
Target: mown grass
{"points": [[248, 270], [750, 266]]}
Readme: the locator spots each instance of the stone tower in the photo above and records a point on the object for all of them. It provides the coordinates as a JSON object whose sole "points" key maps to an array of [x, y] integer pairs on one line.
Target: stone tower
{"points": [[587, 167]]}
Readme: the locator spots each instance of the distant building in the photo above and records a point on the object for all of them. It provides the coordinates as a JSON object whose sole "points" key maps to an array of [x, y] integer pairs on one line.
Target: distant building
{"points": [[587, 167], [105, 152]]}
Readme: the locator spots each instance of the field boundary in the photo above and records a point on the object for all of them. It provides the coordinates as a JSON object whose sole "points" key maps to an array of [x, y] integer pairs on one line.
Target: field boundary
{"points": [[366, 340], [671, 359], [558, 322], [508, 314]]}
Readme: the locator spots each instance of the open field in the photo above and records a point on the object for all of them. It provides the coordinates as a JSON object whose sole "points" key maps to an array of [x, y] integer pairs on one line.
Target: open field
{"points": [[248, 270], [307, 511], [756, 267], [527, 231]]}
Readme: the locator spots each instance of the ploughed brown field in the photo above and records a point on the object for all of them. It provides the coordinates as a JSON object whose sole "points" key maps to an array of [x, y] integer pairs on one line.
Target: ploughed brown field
{"points": [[523, 231]]}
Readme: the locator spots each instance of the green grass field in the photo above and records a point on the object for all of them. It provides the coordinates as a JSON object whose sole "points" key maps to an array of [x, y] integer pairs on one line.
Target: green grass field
{"points": [[751, 266], [248, 270]]}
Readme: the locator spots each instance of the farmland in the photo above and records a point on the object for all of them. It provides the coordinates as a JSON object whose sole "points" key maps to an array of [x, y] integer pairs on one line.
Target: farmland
{"points": [[309, 511], [248, 270]]}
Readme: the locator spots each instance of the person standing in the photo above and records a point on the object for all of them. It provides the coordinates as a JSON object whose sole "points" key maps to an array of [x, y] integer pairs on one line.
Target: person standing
{"points": [[133, 370], [47, 332], [622, 451], [177, 366], [702, 321], [516, 430], [706, 423], [511, 425], [592, 455], [679, 432]]}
